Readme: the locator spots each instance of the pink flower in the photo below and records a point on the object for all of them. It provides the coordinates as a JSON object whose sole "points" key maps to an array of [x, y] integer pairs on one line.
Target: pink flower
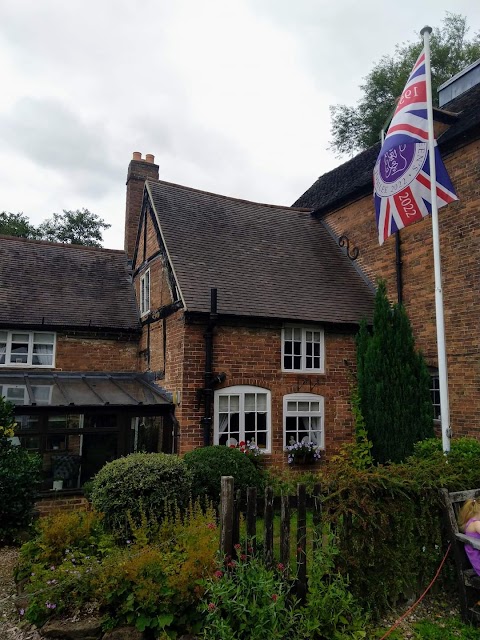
{"points": [[211, 525], [211, 606], [218, 574], [231, 564], [243, 557], [280, 566], [238, 547]]}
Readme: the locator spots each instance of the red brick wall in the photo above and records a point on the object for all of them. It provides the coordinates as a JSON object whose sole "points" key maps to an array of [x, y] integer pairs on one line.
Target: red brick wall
{"points": [[56, 503], [75, 353], [138, 172], [459, 240], [252, 356]]}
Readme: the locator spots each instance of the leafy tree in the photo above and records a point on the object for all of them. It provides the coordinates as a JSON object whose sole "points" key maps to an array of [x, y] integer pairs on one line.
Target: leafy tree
{"points": [[356, 128], [393, 383], [74, 227], [16, 224]]}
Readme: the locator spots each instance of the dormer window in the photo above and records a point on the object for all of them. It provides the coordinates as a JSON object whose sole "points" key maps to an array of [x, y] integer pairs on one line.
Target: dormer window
{"points": [[145, 293], [303, 349], [27, 349]]}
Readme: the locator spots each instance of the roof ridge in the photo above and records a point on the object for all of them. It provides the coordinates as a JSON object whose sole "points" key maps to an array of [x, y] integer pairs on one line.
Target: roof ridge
{"points": [[219, 195], [59, 244]]}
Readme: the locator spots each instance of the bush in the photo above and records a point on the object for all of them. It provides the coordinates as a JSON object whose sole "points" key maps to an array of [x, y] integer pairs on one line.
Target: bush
{"points": [[209, 464], [148, 483], [19, 479]]}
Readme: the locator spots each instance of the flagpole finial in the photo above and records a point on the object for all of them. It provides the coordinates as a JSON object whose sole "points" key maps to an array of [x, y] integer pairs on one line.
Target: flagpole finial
{"points": [[426, 29]]}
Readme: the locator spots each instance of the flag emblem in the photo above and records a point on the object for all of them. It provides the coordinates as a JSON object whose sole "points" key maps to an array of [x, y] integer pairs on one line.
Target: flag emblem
{"points": [[401, 174]]}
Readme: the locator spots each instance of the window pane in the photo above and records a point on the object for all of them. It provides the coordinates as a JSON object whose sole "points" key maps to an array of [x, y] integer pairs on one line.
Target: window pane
{"points": [[223, 403], [30, 442], [15, 394], [297, 334], [314, 406], [287, 348], [287, 362], [308, 336], [287, 334], [20, 337], [297, 362], [261, 440], [249, 402], [291, 406], [3, 336], [41, 395], [297, 348], [261, 402], [303, 406], [261, 421], [44, 338], [234, 403]]}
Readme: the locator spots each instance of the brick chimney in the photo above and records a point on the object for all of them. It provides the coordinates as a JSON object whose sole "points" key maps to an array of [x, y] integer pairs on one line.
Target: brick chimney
{"points": [[138, 171]]}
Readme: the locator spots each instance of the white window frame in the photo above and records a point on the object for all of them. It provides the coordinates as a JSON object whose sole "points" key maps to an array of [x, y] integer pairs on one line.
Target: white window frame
{"points": [[30, 354], [4, 389], [241, 391], [435, 392], [303, 366], [304, 397], [145, 293]]}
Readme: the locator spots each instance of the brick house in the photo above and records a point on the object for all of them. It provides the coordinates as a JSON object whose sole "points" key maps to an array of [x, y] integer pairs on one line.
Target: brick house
{"points": [[248, 315], [69, 335], [342, 200]]}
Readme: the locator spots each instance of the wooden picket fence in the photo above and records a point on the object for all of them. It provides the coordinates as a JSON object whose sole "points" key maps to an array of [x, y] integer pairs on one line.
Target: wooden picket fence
{"points": [[232, 506]]}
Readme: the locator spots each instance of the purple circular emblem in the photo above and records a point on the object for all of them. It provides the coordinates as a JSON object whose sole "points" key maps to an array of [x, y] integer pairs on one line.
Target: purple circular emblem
{"points": [[397, 167]]}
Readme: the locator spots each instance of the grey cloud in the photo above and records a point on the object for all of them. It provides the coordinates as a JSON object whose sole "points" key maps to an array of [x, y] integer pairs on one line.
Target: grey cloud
{"points": [[51, 135]]}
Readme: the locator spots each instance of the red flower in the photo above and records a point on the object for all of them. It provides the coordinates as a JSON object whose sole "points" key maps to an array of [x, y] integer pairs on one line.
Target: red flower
{"points": [[280, 566], [274, 597], [243, 557], [212, 606], [211, 525], [218, 574], [238, 547]]}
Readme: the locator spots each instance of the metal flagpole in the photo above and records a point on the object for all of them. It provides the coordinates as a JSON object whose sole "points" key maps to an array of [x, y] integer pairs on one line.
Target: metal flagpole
{"points": [[441, 346]]}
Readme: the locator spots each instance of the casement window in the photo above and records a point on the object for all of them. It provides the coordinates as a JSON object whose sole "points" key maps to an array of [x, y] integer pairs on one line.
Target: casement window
{"points": [[303, 419], [303, 349], [435, 395], [145, 293], [242, 413], [27, 349]]}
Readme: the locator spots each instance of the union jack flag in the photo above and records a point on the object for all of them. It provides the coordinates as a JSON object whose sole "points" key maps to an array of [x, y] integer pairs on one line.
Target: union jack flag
{"points": [[402, 172]]}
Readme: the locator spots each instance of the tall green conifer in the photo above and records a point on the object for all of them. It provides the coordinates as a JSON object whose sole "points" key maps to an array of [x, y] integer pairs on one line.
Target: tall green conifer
{"points": [[393, 383]]}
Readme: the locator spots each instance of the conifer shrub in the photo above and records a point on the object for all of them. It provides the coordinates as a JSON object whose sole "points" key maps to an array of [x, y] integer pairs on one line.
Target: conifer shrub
{"points": [[209, 464], [19, 479], [148, 483], [393, 383]]}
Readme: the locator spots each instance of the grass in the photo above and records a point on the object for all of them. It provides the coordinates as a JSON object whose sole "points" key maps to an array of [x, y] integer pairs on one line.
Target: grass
{"points": [[447, 629]]}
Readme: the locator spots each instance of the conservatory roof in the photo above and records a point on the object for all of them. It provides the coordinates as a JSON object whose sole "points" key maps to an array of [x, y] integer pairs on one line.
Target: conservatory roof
{"points": [[77, 390]]}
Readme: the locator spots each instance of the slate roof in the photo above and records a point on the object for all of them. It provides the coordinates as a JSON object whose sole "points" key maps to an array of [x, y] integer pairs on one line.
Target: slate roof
{"points": [[64, 285], [266, 261], [354, 179]]}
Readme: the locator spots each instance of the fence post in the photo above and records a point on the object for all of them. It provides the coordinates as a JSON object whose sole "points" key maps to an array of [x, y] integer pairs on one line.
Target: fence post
{"points": [[268, 527], [226, 515], [317, 515], [252, 519], [285, 531], [301, 542]]}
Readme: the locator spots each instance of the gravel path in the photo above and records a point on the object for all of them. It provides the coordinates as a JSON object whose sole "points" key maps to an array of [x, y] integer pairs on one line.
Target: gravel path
{"points": [[10, 627]]}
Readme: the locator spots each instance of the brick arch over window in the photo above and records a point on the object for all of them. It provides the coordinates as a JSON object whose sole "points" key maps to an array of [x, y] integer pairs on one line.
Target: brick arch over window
{"points": [[304, 418], [243, 413]]}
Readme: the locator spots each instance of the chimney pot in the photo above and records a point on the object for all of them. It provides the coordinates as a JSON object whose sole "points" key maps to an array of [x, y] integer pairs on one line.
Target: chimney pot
{"points": [[150, 158], [137, 155]]}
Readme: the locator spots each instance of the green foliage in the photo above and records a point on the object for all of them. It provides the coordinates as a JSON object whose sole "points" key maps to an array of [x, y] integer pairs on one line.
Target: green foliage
{"points": [[393, 383], [356, 128], [209, 464], [74, 227], [247, 600], [331, 610], [388, 521], [154, 582], [16, 224], [19, 479], [151, 483]]}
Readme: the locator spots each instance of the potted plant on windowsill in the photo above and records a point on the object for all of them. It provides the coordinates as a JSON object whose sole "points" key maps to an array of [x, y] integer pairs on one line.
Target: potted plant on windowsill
{"points": [[250, 449], [302, 452]]}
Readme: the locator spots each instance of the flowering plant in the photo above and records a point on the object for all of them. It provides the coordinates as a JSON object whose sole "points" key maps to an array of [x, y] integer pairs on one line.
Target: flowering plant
{"points": [[302, 450], [250, 448]]}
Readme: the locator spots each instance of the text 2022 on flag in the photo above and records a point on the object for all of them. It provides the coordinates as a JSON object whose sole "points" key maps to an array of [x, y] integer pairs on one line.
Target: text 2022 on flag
{"points": [[402, 172]]}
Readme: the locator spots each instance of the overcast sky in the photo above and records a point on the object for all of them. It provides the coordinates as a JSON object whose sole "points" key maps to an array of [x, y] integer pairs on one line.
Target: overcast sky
{"points": [[231, 96]]}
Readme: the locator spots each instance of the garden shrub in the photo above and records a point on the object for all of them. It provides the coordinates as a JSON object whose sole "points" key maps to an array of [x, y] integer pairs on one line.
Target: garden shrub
{"points": [[209, 464], [247, 600], [153, 582], [19, 479], [148, 482], [388, 519]]}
